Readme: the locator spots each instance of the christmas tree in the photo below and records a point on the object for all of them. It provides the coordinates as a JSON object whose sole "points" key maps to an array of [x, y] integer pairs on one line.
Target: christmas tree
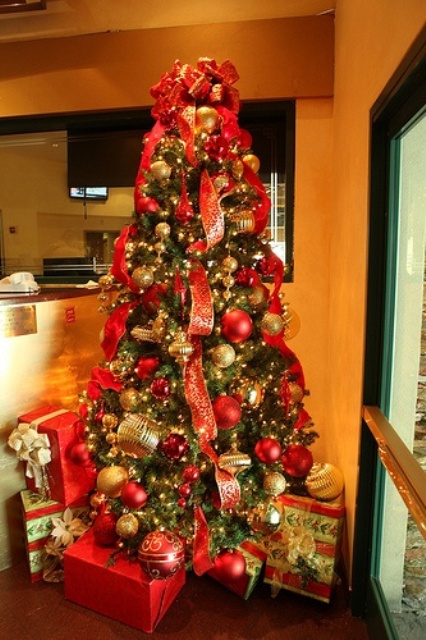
{"points": [[195, 421]]}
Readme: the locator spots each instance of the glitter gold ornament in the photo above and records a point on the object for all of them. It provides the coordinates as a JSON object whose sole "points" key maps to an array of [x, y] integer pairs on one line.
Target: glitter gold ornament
{"points": [[180, 348], [324, 481], [272, 324], [223, 355], [106, 281], [234, 461], [252, 161], [274, 483], [207, 118], [111, 480], [162, 230], [138, 436], [258, 295], [129, 399], [109, 420], [296, 392], [143, 277], [230, 264], [127, 526], [160, 170], [265, 518]]}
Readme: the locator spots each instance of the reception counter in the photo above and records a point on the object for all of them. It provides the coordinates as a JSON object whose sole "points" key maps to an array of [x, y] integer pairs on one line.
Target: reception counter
{"points": [[49, 343]]}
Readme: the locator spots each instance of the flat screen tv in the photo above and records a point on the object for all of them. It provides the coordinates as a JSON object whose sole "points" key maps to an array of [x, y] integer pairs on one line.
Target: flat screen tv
{"points": [[89, 193]]}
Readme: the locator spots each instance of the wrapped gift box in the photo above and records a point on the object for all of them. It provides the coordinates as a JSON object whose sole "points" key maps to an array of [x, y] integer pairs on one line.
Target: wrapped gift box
{"points": [[68, 481], [255, 558], [37, 516], [122, 591], [303, 553]]}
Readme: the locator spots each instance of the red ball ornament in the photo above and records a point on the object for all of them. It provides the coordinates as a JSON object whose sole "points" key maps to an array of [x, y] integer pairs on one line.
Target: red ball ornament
{"points": [[185, 490], [182, 503], [191, 473], [104, 530], [161, 554], [160, 388], [297, 460], [175, 446], [80, 454], [146, 204], [268, 450], [146, 367], [133, 495], [227, 411], [237, 325], [230, 565]]}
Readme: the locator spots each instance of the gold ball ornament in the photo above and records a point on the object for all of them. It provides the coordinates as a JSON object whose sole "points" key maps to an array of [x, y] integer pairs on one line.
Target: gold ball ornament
{"points": [[324, 481], [143, 277], [223, 356], [160, 170], [252, 161], [265, 518], [249, 392], [127, 526], [111, 480], [109, 420], [296, 392], [138, 436], [272, 324], [162, 230], [292, 322], [258, 296], [207, 119], [106, 281], [230, 264], [274, 483], [129, 399]]}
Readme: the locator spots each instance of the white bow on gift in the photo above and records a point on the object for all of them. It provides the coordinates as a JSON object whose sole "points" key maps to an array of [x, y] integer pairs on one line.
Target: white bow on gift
{"points": [[34, 449]]}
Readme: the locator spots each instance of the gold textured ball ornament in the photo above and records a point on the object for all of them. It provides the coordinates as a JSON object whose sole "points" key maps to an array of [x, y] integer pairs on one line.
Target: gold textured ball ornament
{"points": [[143, 277], [296, 392], [207, 119], [111, 480], [109, 420], [106, 281], [230, 264], [274, 483], [324, 481], [127, 526], [252, 161], [272, 324], [258, 296], [223, 355], [129, 399], [138, 436], [160, 170]]}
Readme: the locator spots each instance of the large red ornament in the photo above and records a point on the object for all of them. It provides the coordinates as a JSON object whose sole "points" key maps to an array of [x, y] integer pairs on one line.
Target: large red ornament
{"points": [[236, 325], [297, 460], [133, 495], [80, 454], [145, 204], [104, 529], [268, 450], [175, 446], [227, 412], [230, 565], [146, 367], [161, 554]]}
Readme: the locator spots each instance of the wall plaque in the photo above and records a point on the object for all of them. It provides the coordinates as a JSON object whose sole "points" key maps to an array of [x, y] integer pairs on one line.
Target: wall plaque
{"points": [[20, 320]]}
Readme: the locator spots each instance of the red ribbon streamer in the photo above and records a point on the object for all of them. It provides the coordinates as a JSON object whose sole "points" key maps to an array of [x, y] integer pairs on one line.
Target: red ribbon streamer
{"points": [[211, 214], [201, 320], [202, 561], [186, 123], [115, 328], [119, 266], [263, 208], [198, 399]]}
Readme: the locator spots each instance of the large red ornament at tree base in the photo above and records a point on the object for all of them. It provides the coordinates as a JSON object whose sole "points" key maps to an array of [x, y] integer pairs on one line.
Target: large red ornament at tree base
{"points": [[161, 554], [133, 495], [268, 450], [230, 565], [297, 460], [237, 325], [227, 412], [80, 454], [104, 529]]}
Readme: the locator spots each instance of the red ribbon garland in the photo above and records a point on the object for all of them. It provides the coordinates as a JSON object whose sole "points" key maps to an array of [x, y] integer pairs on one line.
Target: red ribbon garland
{"points": [[201, 319], [114, 329], [211, 215], [263, 208]]}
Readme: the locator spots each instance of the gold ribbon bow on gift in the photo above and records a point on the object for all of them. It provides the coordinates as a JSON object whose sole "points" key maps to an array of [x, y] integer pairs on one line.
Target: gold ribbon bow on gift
{"points": [[34, 449]]}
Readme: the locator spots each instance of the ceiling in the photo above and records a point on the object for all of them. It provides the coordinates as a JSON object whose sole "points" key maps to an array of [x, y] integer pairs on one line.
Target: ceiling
{"points": [[64, 18]]}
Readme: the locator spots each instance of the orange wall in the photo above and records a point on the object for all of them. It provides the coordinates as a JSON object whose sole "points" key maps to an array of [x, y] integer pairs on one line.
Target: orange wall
{"points": [[371, 40]]}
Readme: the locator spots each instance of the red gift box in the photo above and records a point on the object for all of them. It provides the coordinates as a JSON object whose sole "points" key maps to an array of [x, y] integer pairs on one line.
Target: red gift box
{"points": [[243, 586], [122, 591], [303, 553], [68, 482]]}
